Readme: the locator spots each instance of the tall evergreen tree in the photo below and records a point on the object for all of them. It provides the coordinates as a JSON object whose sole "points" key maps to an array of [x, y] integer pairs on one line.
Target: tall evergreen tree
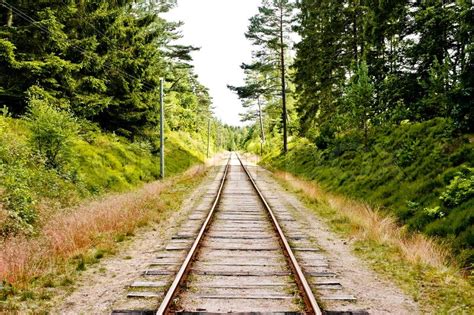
{"points": [[101, 60], [359, 99], [270, 31], [320, 61], [254, 94], [418, 55]]}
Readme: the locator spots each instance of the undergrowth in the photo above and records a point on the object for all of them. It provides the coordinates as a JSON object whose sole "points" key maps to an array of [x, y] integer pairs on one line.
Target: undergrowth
{"points": [[423, 173], [45, 167], [33, 269], [415, 262]]}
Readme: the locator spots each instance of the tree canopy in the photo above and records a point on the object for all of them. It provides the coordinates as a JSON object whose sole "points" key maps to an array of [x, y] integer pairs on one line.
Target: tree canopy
{"points": [[101, 61], [418, 56]]}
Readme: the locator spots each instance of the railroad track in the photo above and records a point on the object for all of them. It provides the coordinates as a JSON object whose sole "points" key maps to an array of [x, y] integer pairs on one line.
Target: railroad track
{"points": [[234, 257], [241, 259]]}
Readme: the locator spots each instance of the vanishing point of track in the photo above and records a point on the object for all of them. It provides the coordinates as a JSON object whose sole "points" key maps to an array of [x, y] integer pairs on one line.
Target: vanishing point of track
{"points": [[240, 254]]}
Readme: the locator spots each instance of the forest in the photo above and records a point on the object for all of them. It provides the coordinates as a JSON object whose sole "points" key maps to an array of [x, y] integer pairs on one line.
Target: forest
{"points": [[79, 92], [370, 99], [375, 101], [80, 123]]}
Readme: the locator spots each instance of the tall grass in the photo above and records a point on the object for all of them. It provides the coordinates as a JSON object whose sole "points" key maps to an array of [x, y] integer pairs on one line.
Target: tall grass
{"points": [[371, 224], [412, 170], [73, 231], [421, 267]]}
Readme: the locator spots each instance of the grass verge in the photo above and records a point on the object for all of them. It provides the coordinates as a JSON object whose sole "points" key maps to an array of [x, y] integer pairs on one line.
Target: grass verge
{"points": [[421, 267], [34, 268], [421, 173]]}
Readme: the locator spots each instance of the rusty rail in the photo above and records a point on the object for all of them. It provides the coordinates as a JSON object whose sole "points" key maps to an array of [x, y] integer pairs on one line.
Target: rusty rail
{"points": [[184, 269], [311, 304]]}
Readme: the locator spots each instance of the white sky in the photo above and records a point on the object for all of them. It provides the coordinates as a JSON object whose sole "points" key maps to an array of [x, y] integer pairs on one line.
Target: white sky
{"points": [[218, 27]]}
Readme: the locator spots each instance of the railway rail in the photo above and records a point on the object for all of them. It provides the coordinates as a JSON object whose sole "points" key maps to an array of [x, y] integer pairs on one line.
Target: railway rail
{"points": [[233, 255], [237, 245]]}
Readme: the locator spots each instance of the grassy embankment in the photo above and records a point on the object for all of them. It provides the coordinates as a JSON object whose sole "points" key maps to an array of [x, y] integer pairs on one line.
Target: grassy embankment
{"points": [[407, 202], [56, 221]]}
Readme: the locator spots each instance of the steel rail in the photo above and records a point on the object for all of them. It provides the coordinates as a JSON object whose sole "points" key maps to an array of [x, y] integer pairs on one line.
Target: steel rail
{"points": [[312, 306], [185, 267]]}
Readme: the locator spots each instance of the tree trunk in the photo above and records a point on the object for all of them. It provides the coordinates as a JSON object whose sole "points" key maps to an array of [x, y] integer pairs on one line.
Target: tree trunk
{"points": [[9, 17], [366, 132], [283, 84], [354, 34]]}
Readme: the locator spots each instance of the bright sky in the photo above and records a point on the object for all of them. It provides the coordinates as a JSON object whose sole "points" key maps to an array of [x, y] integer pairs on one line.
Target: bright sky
{"points": [[218, 27]]}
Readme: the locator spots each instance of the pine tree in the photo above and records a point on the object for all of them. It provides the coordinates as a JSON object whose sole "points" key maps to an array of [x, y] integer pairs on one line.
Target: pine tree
{"points": [[320, 64], [33, 45], [418, 56], [253, 94], [359, 99], [101, 60], [270, 31]]}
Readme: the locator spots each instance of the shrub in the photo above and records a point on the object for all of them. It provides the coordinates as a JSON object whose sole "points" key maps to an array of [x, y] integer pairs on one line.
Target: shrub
{"points": [[18, 199], [434, 212], [51, 133], [460, 189], [407, 154], [16, 196]]}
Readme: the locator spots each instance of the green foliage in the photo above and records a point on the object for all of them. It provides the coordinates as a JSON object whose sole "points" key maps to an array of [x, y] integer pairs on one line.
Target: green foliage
{"points": [[267, 75], [15, 193], [52, 132], [183, 151], [18, 199], [421, 172], [460, 189], [418, 55], [100, 60], [360, 100], [101, 163], [434, 212]]}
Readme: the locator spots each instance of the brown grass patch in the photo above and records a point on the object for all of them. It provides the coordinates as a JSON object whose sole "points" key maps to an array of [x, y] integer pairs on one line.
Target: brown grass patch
{"points": [[371, 224], [73, 231]]}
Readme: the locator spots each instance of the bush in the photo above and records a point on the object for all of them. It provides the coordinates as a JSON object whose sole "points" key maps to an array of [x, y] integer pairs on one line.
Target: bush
{"points": [[52, 132], [39, 173], [460, 189], [16, 195], [18, 199]]}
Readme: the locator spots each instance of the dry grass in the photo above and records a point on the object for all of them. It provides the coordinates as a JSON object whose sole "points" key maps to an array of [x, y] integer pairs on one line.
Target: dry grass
{"points": [[371, 224], [73, 231], [420, 266]]}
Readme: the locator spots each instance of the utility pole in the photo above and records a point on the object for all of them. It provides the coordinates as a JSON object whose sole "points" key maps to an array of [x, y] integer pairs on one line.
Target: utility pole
{"points": [[283, 83], [162, 130], [218, 138], [262, 131], [208, 136]]}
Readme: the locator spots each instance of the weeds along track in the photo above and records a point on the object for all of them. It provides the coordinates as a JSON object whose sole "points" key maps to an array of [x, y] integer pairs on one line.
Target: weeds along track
{"points": [[232, 257]]}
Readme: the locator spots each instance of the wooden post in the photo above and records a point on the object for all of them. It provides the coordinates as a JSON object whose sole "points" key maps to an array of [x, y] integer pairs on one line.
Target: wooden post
{"points": [[162, 130]]}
